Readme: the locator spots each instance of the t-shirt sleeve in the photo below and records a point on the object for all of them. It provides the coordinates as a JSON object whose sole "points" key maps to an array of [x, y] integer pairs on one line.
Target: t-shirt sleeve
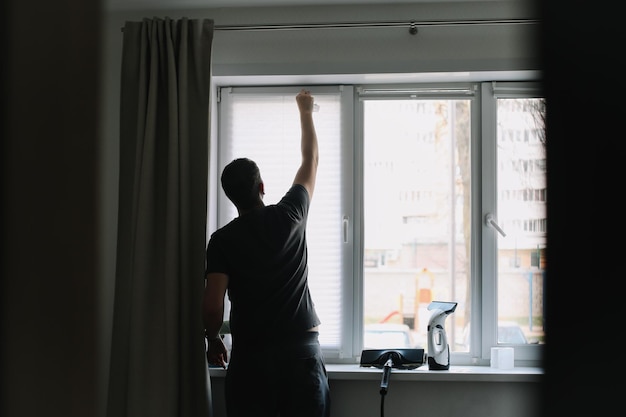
{"points": [[215, 262], [296, 201]]}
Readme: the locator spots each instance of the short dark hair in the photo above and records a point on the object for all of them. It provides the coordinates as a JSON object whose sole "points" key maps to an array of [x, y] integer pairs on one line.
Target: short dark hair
{"points": [[240, 180]]}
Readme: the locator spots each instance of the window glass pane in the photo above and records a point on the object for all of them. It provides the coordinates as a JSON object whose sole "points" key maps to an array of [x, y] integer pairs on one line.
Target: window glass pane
{"points": [[416, 217], [521, 190], [266, 128]]}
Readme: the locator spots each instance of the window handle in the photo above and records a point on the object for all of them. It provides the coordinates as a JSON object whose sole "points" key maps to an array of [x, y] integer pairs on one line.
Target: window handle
{"points": [[490, 220], [344, 226]]}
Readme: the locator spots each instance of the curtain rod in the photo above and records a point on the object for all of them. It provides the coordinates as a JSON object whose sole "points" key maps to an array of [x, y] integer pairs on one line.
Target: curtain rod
{"points": [[410, 24]]}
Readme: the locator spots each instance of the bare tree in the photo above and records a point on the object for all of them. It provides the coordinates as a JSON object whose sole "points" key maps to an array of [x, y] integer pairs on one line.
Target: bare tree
{"points": [[462, 129], [538, 113]]}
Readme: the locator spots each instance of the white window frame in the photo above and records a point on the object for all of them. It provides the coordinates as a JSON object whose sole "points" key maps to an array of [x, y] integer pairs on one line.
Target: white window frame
{"points": [[483, 200], [531, 354]]}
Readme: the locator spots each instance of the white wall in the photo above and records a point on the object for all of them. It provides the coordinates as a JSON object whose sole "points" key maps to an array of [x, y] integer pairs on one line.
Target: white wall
{"points": [[378, 50], [380, 54]]}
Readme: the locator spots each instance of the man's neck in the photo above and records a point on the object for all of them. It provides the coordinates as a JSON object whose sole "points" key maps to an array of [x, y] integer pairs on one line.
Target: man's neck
{"points": [[259, 205]]}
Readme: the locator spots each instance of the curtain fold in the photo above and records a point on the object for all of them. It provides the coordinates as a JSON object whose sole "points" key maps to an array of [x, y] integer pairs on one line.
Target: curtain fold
{"points": [[158, 366]]}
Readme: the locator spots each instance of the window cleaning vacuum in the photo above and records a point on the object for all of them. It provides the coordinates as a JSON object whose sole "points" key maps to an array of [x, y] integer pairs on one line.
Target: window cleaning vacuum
{"points": [[438, 356], [438, 347], [386, 359]]}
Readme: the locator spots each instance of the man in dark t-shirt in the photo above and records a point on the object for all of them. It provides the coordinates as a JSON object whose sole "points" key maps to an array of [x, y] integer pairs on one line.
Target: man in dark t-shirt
{"points": [[259, 259]]}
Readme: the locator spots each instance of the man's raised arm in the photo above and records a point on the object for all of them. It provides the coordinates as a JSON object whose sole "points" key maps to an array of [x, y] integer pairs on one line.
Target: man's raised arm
{"points": [[307, 172]]}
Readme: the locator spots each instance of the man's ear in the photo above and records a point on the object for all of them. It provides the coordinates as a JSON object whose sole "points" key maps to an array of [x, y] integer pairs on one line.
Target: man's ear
{"points": [[262, 188]]}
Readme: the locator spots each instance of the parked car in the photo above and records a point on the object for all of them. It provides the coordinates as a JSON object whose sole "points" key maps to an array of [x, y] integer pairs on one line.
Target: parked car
{"points": [[387, 336], [509, 333]]}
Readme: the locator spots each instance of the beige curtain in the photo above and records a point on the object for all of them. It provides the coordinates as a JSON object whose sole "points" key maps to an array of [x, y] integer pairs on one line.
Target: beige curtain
{"points": [[158, 366]]}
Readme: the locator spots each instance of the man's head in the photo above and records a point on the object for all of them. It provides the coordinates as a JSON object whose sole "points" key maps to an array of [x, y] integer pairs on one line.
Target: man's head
{"points": [[242, 183]]}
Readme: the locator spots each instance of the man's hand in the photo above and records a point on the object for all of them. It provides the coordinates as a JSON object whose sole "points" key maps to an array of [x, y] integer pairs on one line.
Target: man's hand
{"points": [[305, 101], [216, 353]]}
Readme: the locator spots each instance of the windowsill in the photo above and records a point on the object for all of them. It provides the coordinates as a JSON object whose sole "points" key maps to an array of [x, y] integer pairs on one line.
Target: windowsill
{"points": [[455, 373]]}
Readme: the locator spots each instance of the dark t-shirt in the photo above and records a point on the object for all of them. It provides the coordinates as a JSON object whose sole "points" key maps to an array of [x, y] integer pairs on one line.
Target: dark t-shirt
{"points": [[264, 254]]}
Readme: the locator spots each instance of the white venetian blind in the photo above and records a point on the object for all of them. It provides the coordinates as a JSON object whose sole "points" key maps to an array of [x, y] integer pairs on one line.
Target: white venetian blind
{"points": [[263, 124]]}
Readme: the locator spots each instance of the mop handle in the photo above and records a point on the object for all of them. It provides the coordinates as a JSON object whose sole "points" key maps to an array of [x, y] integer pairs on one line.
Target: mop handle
{"points": [[384, 383]]}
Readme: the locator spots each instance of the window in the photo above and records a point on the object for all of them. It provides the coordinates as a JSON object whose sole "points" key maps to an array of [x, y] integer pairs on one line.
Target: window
{"points": [[514, 257], [263, 124], [430, 235], [406, 179]]}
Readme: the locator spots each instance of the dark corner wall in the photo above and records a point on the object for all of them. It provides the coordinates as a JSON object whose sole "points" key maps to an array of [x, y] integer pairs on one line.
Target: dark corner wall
{"points": [[48, 320], [583, 79]]}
